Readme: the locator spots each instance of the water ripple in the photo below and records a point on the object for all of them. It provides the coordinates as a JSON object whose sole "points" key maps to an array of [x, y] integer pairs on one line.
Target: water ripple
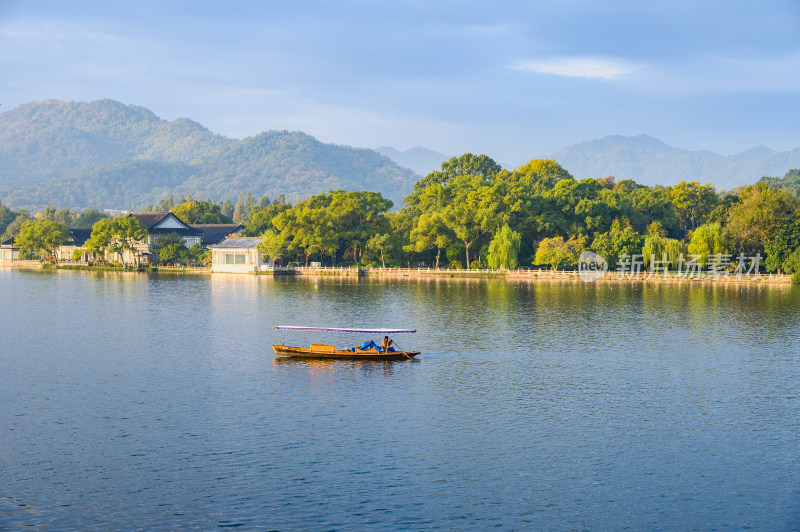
{"points": [[154, 402]]}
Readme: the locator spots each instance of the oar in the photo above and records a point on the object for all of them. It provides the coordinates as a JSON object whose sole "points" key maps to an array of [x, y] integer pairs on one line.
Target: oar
{"points": [[403, 351]]}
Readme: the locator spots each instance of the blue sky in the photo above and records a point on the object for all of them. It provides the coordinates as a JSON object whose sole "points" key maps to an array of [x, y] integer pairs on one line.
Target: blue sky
{"points": [[514, 80]]}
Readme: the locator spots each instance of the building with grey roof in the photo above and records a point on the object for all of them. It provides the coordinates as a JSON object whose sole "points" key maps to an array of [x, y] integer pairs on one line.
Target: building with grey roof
{"points": [[238, 255]]}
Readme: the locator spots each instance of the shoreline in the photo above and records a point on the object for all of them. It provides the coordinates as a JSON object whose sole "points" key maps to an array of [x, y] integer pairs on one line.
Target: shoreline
{"points": [[518, 275], [574, 276]]}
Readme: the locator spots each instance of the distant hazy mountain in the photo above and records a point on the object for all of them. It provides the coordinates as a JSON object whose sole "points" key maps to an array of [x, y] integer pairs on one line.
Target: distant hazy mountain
{"points": [[649, 161], [422, 160], [759, 152], [105, 154]]}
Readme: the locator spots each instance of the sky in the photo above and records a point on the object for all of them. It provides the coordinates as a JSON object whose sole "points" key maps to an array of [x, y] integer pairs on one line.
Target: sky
{"points": [[513, 80]]}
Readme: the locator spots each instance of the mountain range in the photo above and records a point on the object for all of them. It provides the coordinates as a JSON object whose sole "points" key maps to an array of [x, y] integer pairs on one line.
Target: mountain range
{"points": [[109, 155], [105, 154], [650, 161]]}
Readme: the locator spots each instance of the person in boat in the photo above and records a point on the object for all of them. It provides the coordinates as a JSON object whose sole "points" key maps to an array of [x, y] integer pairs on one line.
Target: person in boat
{"points": [[386, 344]]}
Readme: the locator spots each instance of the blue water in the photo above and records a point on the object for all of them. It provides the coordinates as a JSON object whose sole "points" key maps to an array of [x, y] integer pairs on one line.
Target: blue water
{"points": [[155, 402]]}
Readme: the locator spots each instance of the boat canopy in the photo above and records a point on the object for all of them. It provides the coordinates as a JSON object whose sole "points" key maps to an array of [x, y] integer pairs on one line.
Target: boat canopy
{"points": [[344, 329]]}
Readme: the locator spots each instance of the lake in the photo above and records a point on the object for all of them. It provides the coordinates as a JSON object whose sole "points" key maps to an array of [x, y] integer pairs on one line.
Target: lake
{"points": [[154, 401]]}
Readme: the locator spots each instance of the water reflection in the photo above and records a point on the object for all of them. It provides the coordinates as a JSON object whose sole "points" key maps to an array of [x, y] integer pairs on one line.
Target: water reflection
{"points": [[322, 366]]}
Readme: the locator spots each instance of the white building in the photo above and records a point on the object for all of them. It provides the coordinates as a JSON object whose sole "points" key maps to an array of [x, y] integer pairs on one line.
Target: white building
{"points": [[9, 251], [238, 255]]}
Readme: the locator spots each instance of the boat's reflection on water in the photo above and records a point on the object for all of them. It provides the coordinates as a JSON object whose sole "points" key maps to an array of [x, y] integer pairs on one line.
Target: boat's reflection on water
{"points": [[333, 365]]}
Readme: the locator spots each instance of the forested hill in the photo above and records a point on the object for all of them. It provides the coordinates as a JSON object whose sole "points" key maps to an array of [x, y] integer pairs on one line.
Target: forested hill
{"points": [[51, 139], [105, 154]]}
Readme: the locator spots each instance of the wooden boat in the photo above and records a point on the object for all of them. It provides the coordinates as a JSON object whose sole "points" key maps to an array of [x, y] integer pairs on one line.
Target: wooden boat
{"points": [[330, 351]]}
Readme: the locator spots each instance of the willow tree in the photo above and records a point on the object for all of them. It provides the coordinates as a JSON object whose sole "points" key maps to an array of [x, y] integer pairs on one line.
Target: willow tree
{"points": [[504, 249], [705, 241], [658, 247]]}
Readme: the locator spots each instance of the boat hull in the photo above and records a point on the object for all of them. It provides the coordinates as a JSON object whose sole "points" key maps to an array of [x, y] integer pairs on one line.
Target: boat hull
{"points": [[301, 352]]}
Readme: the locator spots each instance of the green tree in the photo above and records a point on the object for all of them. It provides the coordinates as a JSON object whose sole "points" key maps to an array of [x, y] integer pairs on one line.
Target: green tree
{"points": [[63, 216], [196, 252], [227, 209], [783, 241], [357, 217], [693, 202], [544, 171], [552, 251], [42, 237], [790, 182], [87, 218], [472, 210], [15, 226], [115, 235], [401, 223], [706, 240], [260, 219], [170, 247], [305, 230], [166, 205], [250, 201], [620, 239], [238, 211], [381, 244], [674, 249], [557, 252], [653, 248], [654, 243], [329, 224], [504, 249], [6, 217], [575, 246], [173, 253], [654, 204], [792, 263], [758, 215], [275, 244], [458, 199], [465, 165], [430, 232], [200, 212]]}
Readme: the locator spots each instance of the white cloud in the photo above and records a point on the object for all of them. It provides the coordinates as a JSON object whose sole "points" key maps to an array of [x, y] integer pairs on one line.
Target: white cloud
{"points": [[579, 67]]}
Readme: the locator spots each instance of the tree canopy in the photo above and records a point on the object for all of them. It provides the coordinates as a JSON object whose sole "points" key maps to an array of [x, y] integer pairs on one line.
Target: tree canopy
{"points": [[472, 212], [115, 236], [42, 237]]}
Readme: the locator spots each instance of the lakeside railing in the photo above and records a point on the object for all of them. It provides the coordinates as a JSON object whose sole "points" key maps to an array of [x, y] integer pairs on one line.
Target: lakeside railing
{"points": [[537, 273], [518, 273]]}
